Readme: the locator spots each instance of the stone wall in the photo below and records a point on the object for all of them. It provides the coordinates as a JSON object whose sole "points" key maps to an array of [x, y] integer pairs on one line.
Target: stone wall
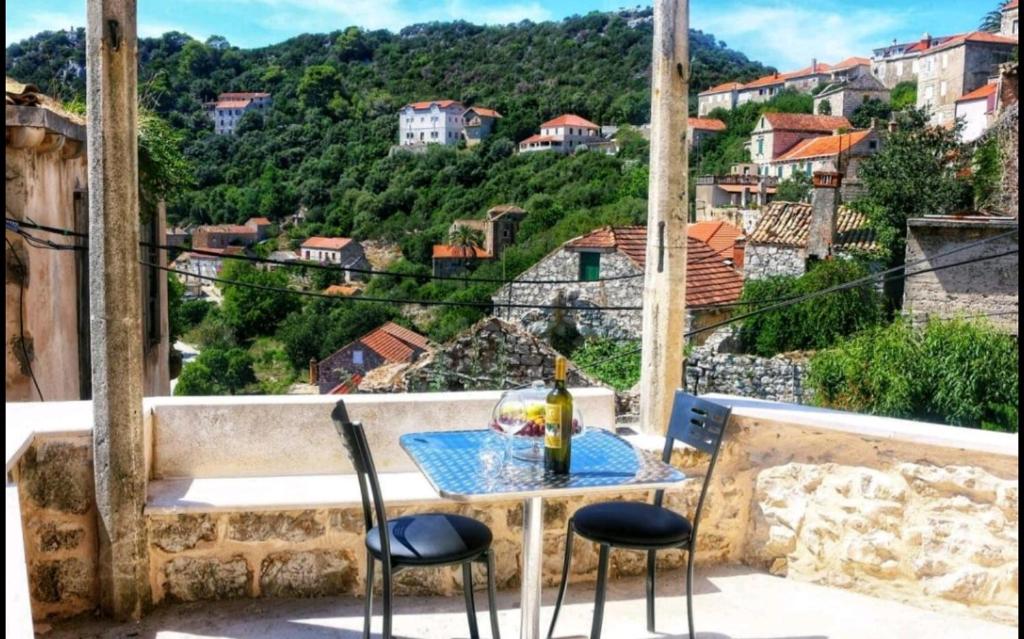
{"points": [[1006, 131], [761, 261], [58, 509], [716, 367]]}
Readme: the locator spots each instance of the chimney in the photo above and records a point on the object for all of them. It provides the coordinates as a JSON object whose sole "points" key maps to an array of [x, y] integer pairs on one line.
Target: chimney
{"points": [[874, 124], [737, 252], [821, 232], [893, 126], [926, 40], [814, 65], [314, 372]]}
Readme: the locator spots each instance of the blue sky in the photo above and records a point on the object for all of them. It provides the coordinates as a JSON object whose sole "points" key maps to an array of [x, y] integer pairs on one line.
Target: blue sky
{"points": [[783, 33]]}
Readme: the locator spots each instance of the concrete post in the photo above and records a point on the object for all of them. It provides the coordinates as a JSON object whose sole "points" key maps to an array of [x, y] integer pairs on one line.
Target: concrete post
{"points": [[115, 307], [664, 301]]}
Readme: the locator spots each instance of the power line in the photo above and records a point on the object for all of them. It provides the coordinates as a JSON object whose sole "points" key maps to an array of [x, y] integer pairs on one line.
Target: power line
{"points": [[21, 317]]}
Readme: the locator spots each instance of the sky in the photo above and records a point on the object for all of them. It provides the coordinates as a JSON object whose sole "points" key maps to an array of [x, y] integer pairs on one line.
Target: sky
{"points": [[782, 33]]}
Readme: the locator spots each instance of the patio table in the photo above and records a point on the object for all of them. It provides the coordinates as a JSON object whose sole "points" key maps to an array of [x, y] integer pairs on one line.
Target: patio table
{"points": [[602, 461]]}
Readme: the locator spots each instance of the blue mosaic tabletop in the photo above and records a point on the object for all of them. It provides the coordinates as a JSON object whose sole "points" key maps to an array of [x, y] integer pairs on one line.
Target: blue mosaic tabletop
{"points": [[469, 464]]}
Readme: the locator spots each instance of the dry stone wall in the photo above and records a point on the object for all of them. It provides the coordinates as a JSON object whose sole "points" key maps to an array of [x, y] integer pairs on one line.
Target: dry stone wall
{"points": [[715, 367], [761, 261]]}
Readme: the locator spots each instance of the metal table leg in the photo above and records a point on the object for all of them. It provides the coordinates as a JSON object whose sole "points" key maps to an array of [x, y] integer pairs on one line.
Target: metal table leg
{"points": [[533, 542]]}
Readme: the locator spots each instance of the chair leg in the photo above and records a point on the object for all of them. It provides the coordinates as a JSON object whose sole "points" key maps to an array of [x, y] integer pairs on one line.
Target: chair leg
{"points": [[689, 591], [602, 583], [387, 602], [492, 595], [369, 595], [562, 587], [651, 558], [467, 588]]}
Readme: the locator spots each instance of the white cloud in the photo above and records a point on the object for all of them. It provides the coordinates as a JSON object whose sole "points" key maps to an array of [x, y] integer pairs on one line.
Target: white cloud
{"points": [[789, 35]]}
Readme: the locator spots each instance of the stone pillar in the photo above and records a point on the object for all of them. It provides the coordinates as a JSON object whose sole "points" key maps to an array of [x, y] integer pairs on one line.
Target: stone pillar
{"points": [[664, 299], [821, 234], [115, 306]]}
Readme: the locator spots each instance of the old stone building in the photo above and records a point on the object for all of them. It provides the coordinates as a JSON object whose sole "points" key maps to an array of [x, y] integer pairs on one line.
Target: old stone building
{"points": [[899, 62], [722, 96], [604, 268], [47, 294], [343, 252], [449, 260], [843, 97], [988, 288], [846, 151], [956, 67], [342, 371], [219, 236], [478, 124], [499, 228], [776, 133], [736, 198], [1009, 25]]}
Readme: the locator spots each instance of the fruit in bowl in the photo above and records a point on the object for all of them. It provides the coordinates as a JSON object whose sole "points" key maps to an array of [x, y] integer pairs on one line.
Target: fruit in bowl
{"points": [[521, 412]]}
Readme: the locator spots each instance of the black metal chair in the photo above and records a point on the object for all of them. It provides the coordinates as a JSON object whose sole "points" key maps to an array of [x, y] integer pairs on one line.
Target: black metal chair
{"points": [[650, 527], [416, 541]]}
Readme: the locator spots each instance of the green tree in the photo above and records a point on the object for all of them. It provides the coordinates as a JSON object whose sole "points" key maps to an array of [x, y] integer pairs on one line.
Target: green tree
{"points": [[466, 238], [993, 20], [824, 108], [871, 110], [252, 311], [795, 188], [320, 83], [217, 371], [616, 363], [903, 95]]}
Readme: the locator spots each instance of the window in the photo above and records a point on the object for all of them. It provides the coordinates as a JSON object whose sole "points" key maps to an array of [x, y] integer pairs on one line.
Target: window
{"points": [[357, 357], [943, 88], [590, 267], [945, 60], [873, 145], [760, 146]]}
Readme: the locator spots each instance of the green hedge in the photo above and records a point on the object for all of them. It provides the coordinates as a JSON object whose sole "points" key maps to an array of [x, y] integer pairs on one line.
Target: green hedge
{"points": [[816, 323], [954, 371]]}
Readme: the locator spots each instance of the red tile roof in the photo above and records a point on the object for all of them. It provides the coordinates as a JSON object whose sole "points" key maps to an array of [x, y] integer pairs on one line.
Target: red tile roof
{"points": [[708, 279], [823, 146], [980, 93], [394, 343], [344, 290], [450, 252], [851, 62], [788, 223], [570, 119], [541, 138], [484, 112], [327, 243], [819, 67], [257, 220], [720, 236], [806, 122], [983, 37], [1012, 4], [764, 81], [442, 104], [229, 229], [707, 124], [722, 88]]}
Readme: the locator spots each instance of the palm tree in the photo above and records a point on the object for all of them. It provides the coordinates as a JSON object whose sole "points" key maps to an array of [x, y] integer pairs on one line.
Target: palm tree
{"points": [[468, 238], [993, 20]]}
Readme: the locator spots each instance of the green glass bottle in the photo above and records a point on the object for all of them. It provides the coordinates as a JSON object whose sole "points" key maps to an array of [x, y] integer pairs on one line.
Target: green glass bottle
{"points": [[558, 424]]}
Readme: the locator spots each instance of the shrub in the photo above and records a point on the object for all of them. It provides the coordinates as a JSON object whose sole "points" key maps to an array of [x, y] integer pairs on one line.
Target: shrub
{"points": [[816, 323], [954, 371], [217, 372], [614, 363]]}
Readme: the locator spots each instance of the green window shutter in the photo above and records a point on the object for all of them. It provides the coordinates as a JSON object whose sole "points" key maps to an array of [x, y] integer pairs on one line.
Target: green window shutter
{"points": [[590, 267]]}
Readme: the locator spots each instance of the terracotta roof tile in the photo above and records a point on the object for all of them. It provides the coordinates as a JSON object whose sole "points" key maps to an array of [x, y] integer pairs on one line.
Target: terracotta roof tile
{"points": [[806, 122], [1012, 4], [979, 94], [851, 62], [824, 146], [818, 68], [404, 334], [394, 343], [707, 124], [720, 236], [327, 243], [345, 290], [229, 229], [766, 80], [484, 112], [787, 224], [426, 104], [447, 251], [257, 220], [722, 88], [541, 138], [708, 279], [983, 37], [570, 119]]}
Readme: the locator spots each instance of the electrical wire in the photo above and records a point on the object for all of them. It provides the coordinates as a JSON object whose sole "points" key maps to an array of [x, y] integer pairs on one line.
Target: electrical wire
{"points": [[21, 317]]}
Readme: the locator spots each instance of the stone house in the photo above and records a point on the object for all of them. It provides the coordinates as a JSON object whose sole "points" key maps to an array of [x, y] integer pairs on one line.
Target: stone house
{"points": [[431, 122], [733, 198], [448, 260], [776, 133], [219, 236], [977, 109], [499, 228], [478, 124], [604, 268], [761, 90], [722, 96], [956, 67], [229, 108], [262, 225], [807, 79], [846, 151], [844, 96], [850, 68], [343, 252], [177, 236], [47, 292], [900, 62], [987, 288], [341, 372], [725, 239], [564, 134], [700, 129], [790, 233], [1009, 23]]}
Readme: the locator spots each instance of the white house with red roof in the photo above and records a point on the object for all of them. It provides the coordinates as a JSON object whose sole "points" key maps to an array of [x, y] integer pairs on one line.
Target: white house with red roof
{"points": [[977, 109], [845, 151], [229, 108], [564, 134], [776, 133], [954, 68], [431, 122], [344, 252], [722, 96]]}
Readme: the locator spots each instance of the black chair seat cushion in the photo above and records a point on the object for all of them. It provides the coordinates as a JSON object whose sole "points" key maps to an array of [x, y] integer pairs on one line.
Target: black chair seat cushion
{"points": [[431, 539], [631, 524]]}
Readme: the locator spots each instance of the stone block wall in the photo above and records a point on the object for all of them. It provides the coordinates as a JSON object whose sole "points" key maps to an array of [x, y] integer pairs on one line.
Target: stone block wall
{"points": [[715, 368], [58, 507], [762, 261]]}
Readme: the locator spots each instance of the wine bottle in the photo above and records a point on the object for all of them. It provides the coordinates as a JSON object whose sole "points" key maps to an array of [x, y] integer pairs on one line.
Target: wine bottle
{"points": [[558, 424]]}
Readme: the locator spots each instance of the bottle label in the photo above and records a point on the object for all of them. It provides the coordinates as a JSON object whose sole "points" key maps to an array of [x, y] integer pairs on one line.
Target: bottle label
{"points": [[553, 426]]}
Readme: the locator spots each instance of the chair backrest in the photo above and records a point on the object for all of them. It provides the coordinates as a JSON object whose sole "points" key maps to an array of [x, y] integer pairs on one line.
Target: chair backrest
{"points": [[362, 461], [701, 424]]}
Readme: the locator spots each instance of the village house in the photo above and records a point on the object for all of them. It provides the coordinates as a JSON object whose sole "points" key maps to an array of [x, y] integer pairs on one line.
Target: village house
{"points": [[844, 96], [977, 109], [220, 236], [262, 226], [343, 252], [722, 96], [736, 198], [956, 67], [730, 95], [699, 130], [229, 108], [899, 62], [47, 296], [1009, 23], [777, 133], [724, 238], [449, 260], [478, 124], [431, 122], [605, 268], [341, 372], [789, 234], [846, 151], [498, 229], [564, 134], [177, 236], [762, 89], [195, 269]]}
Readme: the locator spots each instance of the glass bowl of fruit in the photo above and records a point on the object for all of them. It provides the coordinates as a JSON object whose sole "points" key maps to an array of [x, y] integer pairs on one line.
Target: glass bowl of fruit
{"points": [[519, 415]]}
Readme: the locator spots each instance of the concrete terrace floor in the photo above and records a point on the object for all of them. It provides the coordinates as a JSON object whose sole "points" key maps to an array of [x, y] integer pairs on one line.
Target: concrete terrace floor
{"points": [[729, 603]]}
